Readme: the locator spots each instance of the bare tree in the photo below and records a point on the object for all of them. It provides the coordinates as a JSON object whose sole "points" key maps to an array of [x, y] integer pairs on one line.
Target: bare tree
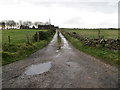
{"points": [[11, 23], [2, 24], [20, 22], [27, 23], [7, 24]]}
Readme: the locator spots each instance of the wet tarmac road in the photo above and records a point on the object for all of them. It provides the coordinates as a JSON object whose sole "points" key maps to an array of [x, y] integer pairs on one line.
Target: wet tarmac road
{"points": [[64, 68]]}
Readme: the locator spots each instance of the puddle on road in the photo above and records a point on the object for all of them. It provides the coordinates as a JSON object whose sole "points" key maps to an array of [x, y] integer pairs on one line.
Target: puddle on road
{"points": [[65, 42], [38, 68], [54, 38]]}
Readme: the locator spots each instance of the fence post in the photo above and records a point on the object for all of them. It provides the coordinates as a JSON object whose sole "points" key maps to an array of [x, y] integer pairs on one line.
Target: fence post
{"points": [[9, 39], [38, 36], [27, 38], [99, 33]]}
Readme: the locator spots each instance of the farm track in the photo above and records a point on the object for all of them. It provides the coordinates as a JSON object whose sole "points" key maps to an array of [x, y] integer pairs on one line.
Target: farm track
{"points": [[70, 68]]}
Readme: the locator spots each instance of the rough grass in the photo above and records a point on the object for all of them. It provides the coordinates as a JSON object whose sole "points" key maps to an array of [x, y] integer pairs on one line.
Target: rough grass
{"points": [[18, 48], [100, 52], [18, 36], [108, 34], [14, 53], [59, 41]]}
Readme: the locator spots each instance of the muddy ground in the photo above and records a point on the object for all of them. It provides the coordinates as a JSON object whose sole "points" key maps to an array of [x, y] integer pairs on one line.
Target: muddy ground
{"points": [[64, 68]]}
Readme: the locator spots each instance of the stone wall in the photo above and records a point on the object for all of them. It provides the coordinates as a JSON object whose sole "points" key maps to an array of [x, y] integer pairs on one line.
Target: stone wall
{"points": [[111, 44]]}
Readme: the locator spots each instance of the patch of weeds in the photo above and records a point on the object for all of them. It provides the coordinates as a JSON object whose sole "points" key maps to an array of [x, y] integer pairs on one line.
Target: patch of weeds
{"points": [[15, 52]]}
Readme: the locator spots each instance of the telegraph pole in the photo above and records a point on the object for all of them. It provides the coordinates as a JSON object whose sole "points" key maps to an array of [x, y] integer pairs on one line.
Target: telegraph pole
{"points": [[50, 24]]}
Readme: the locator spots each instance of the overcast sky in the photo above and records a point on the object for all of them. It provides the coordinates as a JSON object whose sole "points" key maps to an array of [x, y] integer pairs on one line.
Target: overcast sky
{"points": [[63, 13]]}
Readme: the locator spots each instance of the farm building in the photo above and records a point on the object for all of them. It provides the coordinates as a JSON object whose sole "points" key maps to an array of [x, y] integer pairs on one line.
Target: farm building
{"points": [[46, 26]]}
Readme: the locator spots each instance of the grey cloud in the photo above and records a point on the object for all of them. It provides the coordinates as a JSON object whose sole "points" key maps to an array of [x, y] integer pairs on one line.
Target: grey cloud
{"points": [[10, 2], [105, 7], [75, 20]]}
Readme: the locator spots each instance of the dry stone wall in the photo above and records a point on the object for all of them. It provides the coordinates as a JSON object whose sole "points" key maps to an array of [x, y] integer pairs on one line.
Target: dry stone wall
{"points": [[111, 44]]}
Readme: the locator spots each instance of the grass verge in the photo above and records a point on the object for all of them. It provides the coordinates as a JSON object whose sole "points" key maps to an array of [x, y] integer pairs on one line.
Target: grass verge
{"points": [[100, 52], [15, 52], [59, 41]]}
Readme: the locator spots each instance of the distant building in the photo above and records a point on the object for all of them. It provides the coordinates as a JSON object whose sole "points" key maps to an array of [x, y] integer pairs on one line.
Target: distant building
{"points": [[45, 26], [56, 27]]}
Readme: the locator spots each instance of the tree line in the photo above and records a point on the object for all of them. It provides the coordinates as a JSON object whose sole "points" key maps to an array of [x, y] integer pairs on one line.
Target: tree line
{"points": [[11, 24]]}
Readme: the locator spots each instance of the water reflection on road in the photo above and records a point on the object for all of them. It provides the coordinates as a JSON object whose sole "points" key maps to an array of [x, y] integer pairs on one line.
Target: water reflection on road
{"points": [[38, 68]]}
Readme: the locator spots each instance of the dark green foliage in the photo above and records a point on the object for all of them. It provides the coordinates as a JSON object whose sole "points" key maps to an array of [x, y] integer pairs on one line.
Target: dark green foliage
{"points": [[59, 41], [14, 52], [10, 47], [42, 35]]}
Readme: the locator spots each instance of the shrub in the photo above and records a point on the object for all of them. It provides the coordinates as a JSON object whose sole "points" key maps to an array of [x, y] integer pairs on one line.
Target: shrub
{"points": [[42, 35]]}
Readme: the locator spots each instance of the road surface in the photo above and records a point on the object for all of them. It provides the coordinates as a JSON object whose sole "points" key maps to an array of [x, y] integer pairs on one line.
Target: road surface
{"points": [[64, 68]]}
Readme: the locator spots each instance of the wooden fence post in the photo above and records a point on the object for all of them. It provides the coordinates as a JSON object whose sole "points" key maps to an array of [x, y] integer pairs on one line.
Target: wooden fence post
{"points": [[9, 39], [99, 33], [27, 38], [38, 36]]}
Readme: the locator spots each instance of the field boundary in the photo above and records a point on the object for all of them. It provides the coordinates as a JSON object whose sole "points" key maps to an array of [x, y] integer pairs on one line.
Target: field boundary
{"points": [[101, 53]]}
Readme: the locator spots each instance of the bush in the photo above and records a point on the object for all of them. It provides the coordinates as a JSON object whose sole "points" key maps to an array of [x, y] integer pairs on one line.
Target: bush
{"points": [[42, 35]]}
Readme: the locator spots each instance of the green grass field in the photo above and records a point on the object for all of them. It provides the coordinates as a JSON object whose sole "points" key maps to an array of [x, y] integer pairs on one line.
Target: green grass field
{"points": [[108, 34], [17, 36]]}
